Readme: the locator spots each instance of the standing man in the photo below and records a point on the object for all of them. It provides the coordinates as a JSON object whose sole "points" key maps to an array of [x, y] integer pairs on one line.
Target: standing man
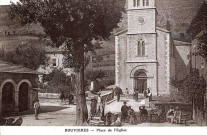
{"points": [[118, 92], [37, 109], [99, 103], [127, 93], [136, 95], [124, 112], [70, 98]]}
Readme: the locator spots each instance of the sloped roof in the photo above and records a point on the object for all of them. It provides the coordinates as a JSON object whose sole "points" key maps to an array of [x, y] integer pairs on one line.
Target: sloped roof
{"points": [[157, 28], [6, 67], [181, 43]]}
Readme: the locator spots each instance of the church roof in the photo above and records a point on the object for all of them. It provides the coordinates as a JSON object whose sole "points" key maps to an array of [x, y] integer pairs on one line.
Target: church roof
{"points": [[157, 28], [6, 67], [196, 24], [180, 43]]}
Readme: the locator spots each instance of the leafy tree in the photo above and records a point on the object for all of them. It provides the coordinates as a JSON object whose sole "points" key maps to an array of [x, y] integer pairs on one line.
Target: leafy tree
{"points": [[58, 81], [29, 56], [191, 89], [92, 75], [73, 23], [202, 38]]}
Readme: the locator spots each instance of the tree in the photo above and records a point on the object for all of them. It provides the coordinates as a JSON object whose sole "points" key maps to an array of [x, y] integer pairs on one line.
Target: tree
{"points": [[30, 56], [58, 81], [73, 23], [191, 89], [202, 38]]}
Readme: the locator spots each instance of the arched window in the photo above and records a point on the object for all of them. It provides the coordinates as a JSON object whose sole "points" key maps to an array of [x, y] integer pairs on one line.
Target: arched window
{"points": [[138, 3], [144, 2], [54, 62], [134, 3], [147, 2], [141, 48]]}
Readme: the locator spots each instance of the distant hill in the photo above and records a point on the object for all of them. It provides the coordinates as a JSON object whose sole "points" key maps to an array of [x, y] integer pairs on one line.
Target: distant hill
{"points": [[178, 12], [9, 26]]}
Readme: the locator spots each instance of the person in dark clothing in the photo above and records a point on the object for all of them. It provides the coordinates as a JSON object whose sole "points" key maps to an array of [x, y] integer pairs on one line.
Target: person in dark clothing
{"points": [[93, 107], [70, 98], [108, 119], [118, 93], [132, 116], [62, 96], [136, 95], [143, 114], [124, 112]]}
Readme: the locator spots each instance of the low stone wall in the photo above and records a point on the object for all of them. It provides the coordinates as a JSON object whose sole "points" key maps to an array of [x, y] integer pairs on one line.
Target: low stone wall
{"points": [[108, 96], [49, 95]]}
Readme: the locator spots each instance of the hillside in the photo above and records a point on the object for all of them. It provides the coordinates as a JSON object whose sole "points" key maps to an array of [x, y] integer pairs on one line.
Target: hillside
{"points": [[178, 12], [9, 26]]}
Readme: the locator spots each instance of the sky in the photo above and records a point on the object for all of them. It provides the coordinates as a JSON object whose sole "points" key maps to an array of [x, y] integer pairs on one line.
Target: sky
{"points": [[6, 2]]}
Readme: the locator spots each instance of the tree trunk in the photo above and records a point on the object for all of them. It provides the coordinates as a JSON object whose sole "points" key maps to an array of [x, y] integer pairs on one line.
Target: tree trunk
{"points": [[81, 106]]}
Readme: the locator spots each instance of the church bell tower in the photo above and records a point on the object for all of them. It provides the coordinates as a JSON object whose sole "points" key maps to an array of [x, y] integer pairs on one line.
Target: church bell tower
{"points": [[141, 16], [141, 61]]}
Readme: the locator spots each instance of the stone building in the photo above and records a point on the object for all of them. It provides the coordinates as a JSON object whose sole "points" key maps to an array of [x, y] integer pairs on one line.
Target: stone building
{"points": [[55, 60], [145, 54], [18, 88], [196, 29]]}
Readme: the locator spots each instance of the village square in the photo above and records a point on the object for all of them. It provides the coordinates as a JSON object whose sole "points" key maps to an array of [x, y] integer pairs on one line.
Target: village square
{"points": [[103, 63]]}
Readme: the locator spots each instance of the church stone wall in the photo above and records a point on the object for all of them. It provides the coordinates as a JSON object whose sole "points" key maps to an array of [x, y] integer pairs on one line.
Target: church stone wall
{"points": [[151, 71], [163, 61], [120, 56], [150, 47], [148, 26]]}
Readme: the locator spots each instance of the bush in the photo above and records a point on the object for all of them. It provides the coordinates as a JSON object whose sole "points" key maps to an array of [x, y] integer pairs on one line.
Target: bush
{"points": [[192, 87], [57, 81]]}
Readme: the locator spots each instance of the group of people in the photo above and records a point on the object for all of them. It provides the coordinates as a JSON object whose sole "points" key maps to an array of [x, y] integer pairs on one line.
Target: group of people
{"points": [[174, 115], [147, 94], [64, 97], [128, 114]]}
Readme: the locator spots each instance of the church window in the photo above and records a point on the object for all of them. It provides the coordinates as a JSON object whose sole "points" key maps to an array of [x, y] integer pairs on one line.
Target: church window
{"points": [[54, 62], [138, 3], [147, 2], [141, 48], [143, 2], [134, 3]]}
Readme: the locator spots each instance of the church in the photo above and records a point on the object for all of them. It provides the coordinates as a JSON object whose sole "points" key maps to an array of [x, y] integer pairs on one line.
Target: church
{"points": [[146, 55]]}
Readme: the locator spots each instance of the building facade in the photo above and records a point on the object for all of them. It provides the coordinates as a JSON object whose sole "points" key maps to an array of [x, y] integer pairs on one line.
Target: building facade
{"points": [[198, 28], [18, 88], [144, 53]]}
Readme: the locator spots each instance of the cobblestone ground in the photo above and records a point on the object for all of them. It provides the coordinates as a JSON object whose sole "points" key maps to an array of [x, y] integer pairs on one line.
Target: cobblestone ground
{"points": [[53, 113]]}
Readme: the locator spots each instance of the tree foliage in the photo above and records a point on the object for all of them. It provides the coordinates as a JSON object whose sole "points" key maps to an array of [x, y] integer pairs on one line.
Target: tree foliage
{"points": [[57, 81], [202, 46], [93, 75], [29, 56], [192, 86], [74, 24], [202, 38]]}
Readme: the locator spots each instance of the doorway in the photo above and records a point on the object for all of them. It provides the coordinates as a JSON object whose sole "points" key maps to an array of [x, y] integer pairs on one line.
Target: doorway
{"points": [[140, 79], [23, 97], [8, 98]]}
